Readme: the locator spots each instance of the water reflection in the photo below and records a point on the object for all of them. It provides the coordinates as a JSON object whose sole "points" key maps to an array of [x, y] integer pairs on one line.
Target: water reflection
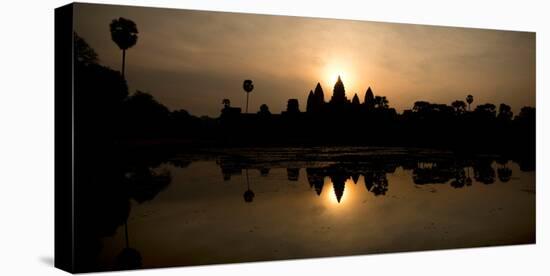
{"points": [[453, 172], [187, 209], [248, 194]]}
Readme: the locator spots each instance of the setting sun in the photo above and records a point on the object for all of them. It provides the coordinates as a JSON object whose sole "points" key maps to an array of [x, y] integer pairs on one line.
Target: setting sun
{"points": [[342, 70], [333, 77]]}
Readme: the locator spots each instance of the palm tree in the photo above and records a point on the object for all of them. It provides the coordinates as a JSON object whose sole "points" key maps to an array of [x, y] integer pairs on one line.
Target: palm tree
{"points": [[248, 86], [124, 34], [469, 100]]}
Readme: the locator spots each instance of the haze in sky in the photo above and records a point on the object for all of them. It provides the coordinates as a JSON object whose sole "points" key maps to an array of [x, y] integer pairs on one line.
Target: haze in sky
{"points": [[193, 59]]}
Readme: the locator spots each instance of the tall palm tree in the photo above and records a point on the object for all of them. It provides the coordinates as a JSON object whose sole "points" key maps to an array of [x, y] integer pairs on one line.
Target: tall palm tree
{"points": [[469, 100], [248, 86], [124, 34]]}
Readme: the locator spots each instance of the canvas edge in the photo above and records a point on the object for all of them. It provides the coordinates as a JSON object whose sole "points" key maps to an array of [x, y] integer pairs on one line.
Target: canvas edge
{"points": [[64, 166]]}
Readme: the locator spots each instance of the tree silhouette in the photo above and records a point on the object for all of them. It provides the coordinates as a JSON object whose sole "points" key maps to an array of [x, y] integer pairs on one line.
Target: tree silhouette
{"points": [[124, 34], [264, 110], [469, 100], [526, 113], [226, 103], [459, 106], [83, 52], [487, 110], [505, 112], [380, 102], [248, 86], [421, 106]]}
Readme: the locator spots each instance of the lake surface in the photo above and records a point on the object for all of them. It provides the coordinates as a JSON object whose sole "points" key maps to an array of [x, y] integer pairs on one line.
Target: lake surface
{"points": [[271, 204]]}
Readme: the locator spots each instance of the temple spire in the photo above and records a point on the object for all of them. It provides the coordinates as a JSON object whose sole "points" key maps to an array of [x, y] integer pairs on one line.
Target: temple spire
{"points": [[339, 93], [311, 102], [319, 94], [369, 98], [355, 100]]}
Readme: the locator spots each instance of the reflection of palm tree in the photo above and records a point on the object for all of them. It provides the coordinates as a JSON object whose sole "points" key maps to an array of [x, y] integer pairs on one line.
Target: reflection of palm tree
{"points": [[469, 100], [124, 34], [248, 194], [468, 180], [129, 258], [248, 86]]}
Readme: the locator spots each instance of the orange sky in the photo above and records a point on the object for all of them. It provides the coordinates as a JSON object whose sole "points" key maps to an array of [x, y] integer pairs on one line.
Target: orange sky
{"points": [[192, 60]]}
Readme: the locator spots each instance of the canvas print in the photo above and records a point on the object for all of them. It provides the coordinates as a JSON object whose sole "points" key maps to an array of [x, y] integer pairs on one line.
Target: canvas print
{"points": [[201, 137]]}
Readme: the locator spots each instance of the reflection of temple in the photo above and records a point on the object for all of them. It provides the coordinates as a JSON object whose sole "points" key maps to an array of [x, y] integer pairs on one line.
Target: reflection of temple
{"points": [[316, 179], [339, 183], [455, 173]]}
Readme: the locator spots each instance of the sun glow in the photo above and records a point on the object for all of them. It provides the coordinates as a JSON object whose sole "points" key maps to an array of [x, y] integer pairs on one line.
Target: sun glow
{"points": [[333, 76], [335, 70]]}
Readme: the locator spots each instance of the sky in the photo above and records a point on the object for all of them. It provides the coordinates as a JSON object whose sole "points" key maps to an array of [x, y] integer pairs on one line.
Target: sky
{"points": [[192, 60]]}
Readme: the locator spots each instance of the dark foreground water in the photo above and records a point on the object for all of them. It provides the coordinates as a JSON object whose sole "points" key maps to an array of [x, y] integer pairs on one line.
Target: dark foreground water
{"points": [[251, 205]]}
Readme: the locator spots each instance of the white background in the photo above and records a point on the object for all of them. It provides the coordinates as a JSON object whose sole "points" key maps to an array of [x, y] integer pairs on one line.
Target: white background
{"points": [[27, 137]]}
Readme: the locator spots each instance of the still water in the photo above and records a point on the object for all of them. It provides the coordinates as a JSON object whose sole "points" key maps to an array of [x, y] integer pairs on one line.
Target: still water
{"points": [[254, 205]]}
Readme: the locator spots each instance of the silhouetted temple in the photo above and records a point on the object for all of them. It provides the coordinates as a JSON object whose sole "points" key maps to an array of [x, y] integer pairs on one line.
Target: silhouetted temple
{"points": [[339, 94], [339, 101]]}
